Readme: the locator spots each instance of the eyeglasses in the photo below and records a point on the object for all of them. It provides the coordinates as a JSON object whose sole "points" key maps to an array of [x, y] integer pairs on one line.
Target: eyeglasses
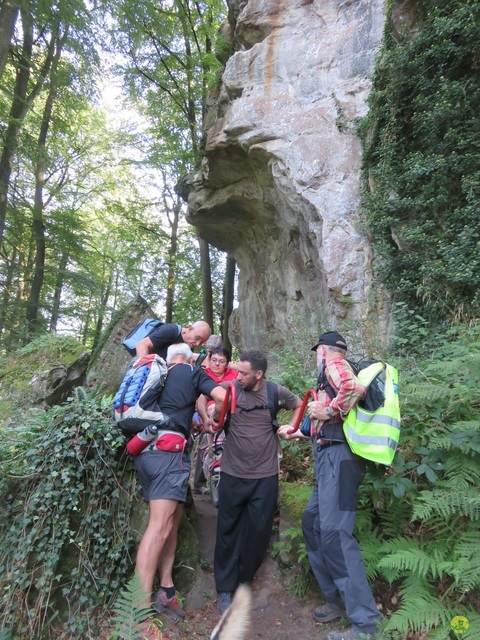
{"points": [[215, 361]]}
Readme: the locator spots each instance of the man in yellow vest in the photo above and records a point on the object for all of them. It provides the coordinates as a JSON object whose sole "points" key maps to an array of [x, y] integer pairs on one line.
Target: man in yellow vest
{"points": [[329, 517]]}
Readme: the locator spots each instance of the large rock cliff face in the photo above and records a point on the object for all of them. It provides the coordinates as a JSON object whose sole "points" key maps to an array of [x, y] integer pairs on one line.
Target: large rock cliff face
{"points": [[279, 188]]}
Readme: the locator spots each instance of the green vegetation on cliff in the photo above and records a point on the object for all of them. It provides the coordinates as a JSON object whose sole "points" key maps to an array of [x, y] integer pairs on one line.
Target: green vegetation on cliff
{"points": [[422, 159]]}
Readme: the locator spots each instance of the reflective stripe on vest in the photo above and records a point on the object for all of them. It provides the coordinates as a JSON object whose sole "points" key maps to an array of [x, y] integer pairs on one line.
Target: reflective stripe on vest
{"points": [[374, 435]]}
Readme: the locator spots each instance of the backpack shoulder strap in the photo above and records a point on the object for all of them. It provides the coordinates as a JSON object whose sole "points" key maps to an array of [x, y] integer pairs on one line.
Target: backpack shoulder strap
{"points": [[273, 405]]}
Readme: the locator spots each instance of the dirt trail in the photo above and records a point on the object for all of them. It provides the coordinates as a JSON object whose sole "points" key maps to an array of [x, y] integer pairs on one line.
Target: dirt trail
{"points": [[276, 615]]}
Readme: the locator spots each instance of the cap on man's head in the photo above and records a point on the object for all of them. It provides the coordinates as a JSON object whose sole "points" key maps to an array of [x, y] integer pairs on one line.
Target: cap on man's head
{"points": [[331, 339]]}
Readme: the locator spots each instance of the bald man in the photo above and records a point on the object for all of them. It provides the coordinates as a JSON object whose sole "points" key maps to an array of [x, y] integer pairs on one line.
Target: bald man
{"points": [[165, 335]]}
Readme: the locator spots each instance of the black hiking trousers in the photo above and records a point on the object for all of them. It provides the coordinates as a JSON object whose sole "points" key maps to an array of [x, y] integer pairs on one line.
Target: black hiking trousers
{"points": [[246, 510]]}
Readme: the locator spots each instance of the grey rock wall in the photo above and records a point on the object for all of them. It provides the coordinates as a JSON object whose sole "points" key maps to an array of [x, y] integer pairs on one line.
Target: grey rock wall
{"points": [[279, 187]]}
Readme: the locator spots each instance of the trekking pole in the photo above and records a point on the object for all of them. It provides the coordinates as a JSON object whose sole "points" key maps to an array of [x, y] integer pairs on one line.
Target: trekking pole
{"points": [[311, 393], [229, 400]]}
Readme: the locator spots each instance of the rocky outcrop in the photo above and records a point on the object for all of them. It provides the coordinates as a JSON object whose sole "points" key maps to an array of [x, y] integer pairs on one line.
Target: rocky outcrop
{"points": [[279, 187], [54, 385], [110, 360]]}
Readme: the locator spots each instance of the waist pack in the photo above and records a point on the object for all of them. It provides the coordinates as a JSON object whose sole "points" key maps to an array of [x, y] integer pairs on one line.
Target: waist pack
{"points": [[135, 405], [372, 426]]}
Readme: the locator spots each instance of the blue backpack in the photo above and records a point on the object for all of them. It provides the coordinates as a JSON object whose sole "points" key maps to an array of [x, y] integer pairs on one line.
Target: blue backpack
{"points": [[141, 331], [136, 403]]}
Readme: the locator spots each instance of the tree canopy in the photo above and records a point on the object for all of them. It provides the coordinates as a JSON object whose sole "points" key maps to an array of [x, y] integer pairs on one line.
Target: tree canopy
{"points": [[88, 212]]}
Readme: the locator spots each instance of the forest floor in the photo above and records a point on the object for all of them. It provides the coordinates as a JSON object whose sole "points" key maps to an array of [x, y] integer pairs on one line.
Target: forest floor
{"points": [[276, 613]]}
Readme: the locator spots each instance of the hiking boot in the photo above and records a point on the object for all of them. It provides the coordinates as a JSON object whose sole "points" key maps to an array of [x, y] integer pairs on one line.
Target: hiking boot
{"points": [[224, 601], [349, 634], [328, 611], [170, 606]]}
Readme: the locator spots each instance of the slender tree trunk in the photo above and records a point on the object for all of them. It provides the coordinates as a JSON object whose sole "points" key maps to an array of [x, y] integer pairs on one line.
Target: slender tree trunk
{"points": [[206, 275], [38, 227], [85, 329], [57, 294], [172, 267], [102, 311], [228, 297], [8, 18], [7, 291], [21, 103]]}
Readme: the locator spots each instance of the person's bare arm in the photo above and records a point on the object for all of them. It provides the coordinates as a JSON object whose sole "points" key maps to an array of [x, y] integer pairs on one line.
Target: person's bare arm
{"points": [[144, 347], [218, 394], [202, 408], [284, 431]]}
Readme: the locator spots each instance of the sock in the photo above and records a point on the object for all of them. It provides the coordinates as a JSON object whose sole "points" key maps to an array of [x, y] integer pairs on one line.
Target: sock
{"points": [[169, 591]]}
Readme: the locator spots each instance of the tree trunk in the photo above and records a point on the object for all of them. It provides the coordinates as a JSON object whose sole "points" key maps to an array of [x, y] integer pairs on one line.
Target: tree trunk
{"points": [[57, 294], [228, 297], [21, 103], [38, 227], [6, 304], [172, 255], [102, 310], [8, 18], [206, 276]]}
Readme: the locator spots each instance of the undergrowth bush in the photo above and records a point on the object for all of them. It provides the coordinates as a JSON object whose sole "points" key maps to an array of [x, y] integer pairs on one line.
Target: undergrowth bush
{"points": [[65, 540]]}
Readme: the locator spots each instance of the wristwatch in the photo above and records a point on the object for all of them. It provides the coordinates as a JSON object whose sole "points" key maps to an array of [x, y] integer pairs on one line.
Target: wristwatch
{"points": [[328, 411]]}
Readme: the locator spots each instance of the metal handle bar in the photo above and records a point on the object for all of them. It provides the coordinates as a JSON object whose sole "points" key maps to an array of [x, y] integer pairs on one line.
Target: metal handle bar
{"points": [[310, 393], [230, 401]]}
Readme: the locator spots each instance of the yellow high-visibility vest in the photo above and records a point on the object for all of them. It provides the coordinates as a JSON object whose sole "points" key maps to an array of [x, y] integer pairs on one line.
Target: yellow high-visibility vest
{"points": [[374, 435]]}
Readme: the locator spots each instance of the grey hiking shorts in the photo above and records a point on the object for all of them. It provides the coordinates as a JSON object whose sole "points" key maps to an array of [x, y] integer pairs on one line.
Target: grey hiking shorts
{"points": [[163, 475]]}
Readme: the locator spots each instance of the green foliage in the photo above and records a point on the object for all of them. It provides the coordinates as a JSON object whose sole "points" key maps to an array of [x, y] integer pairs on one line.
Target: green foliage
{"points": [[64, 527], [52, 346], [129, 612], [22, 369], [428, 536], [291, 544], [422, 161]]}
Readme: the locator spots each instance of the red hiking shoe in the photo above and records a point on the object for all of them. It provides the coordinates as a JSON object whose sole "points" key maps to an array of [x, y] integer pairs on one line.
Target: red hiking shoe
{"points": [[170, 606]]}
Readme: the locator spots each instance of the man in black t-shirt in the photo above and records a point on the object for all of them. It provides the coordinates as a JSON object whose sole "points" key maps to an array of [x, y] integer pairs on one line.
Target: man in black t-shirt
{"points": [[167, 334], [163, 468]]}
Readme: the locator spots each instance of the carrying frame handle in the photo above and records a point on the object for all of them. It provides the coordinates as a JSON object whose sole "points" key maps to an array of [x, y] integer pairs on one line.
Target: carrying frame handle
{"points": [[311, 394]]}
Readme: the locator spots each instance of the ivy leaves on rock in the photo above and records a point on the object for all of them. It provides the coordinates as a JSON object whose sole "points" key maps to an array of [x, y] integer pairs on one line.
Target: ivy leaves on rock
{"points": [[422, 155], [65, 536]]}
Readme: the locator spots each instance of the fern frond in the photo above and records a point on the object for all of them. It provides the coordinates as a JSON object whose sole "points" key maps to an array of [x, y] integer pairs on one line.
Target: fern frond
{"points": [[80, 393], [419, 610], [447, 504], [467, 570], [414, 561], [472, 633], [371, 553], [461, 472], [129, 612]]}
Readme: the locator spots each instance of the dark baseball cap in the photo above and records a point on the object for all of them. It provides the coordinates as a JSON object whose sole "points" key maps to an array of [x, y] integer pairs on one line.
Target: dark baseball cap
{"points": [[331, 339]]}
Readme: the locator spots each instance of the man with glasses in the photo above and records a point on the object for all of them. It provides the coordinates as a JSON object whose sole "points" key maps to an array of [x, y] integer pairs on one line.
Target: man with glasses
{"points": [[219, 371], [167, 334]]}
